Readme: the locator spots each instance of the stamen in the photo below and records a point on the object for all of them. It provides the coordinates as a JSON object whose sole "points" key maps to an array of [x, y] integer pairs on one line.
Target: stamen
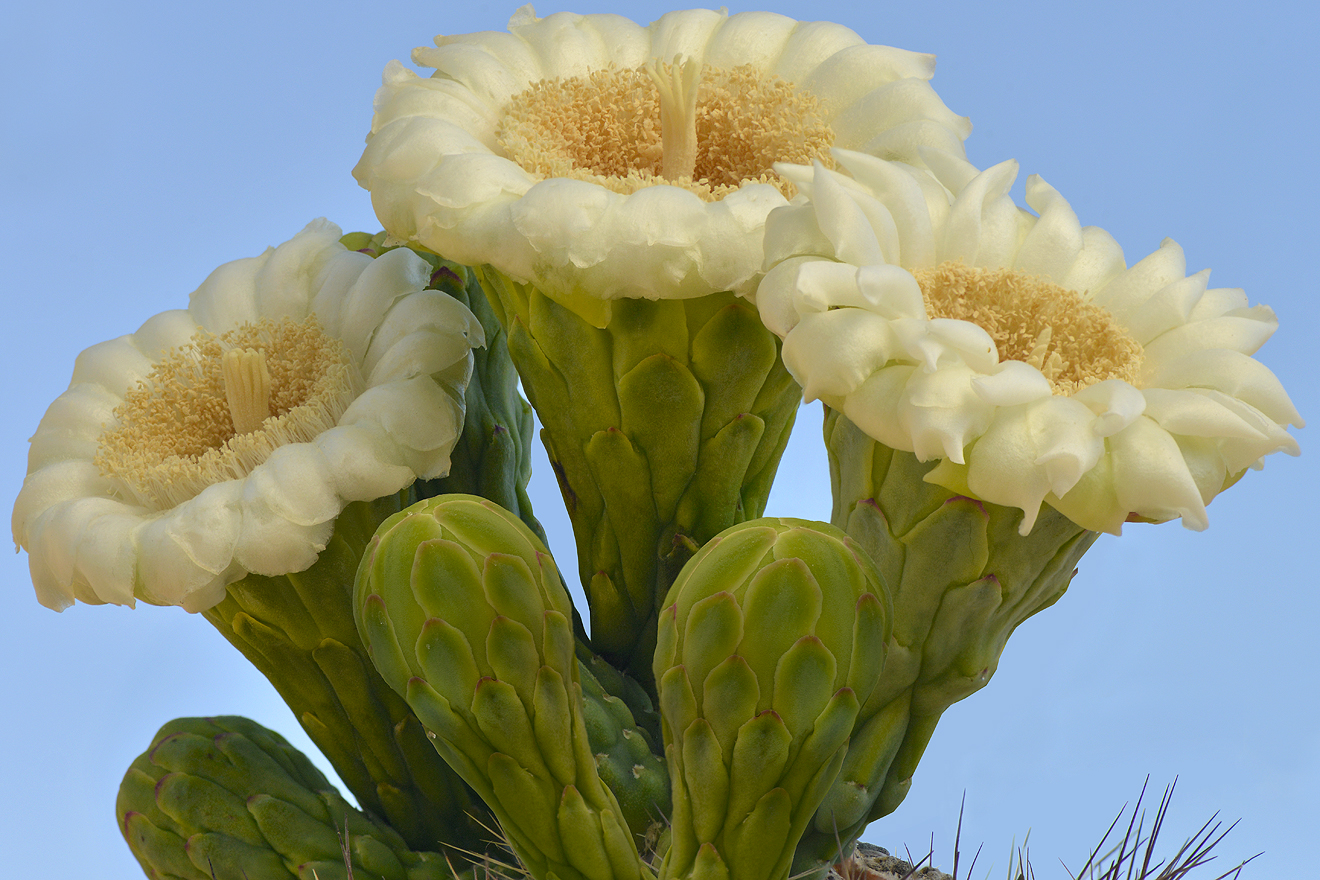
{"points": [[705, 129], [1073, 342], [678, 115], [216, 408], [247, 388]]}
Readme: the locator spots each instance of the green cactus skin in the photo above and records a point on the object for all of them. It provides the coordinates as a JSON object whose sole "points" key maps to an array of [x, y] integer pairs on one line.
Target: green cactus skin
{"points": [[299, 631], [464, 614], [664, 421], [626, 754], [770, 643], [493, 457], [226, 799], [962, 580]]}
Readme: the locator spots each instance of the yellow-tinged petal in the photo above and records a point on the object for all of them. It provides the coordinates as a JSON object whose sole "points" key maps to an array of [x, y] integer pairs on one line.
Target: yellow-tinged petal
{"points": [[607, 224], [1035, 356], [122, 503]]}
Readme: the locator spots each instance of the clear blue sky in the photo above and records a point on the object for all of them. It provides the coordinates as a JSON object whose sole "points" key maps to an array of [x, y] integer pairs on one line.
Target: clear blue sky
{"points": [[144, 144]]}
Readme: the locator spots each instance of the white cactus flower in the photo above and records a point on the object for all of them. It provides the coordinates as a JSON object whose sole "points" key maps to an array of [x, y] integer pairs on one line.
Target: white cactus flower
{"points": [[1017, 348], [225, 438], [591, 156]]}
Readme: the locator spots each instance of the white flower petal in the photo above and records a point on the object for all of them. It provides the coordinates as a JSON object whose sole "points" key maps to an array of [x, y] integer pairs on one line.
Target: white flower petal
{"points": [[1129, 291], [274, 517], [755, 38], [982, 229], [1197, 411], [1055, 241], [846, 225], [364, 461], [1235, 374], [832, 353], [284, 282], [1169, 307], [685, 34], [810, 45], [1012, 383], [943, 413], [1152, 479], [390, 277], [460, 197], [1115, 403]]}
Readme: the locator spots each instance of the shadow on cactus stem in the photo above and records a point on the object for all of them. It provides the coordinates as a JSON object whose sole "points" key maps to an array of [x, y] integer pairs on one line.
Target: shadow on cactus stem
{"points": [[1131, 858]]}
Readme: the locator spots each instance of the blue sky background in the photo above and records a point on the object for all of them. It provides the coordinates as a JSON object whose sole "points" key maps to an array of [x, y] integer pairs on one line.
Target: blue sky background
{"points": [[144, 144]]}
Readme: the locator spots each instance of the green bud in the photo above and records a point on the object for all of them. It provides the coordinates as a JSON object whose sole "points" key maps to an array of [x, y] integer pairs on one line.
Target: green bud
{"points": [[770, 643], [664, 420], [464, 614], [962, 580], [226, 799]]}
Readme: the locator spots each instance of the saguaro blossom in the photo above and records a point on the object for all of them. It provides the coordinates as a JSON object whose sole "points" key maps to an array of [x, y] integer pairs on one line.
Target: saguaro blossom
{"points": [[590, 155], [225, 438], [1018, 349]]}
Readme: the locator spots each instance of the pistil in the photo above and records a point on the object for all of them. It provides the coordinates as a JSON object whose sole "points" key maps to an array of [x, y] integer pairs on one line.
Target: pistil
{"points": [[247, 388], [678, 115]]}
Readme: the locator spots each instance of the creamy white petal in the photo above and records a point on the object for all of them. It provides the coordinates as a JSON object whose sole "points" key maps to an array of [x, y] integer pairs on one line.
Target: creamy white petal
{"points": [[283, 284], [810, 45], [874, 405], [890, 106], [757, 38], [832, 353], [160, 333], [1012, 383], [1169, 307], [1102, 450], [389, 278], [1129, 291], [275, 515], [227, 297], [364, 461], [1235, 374], [459, 197], [1100, 261], [1055, 241], [115, 357], [1115, 403], [850, 74], [1151, 478], [943, 412], [1197, 414], [982, 228], [1244, 334]]}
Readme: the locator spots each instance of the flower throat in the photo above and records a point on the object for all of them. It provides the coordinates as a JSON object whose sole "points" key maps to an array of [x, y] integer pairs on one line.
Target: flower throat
{"points": [[1074, 343], [707, 129], [215, 408]]}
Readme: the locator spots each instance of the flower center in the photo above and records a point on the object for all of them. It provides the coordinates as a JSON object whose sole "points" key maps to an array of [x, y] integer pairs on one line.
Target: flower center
{"points": [[1074, 343], [215, 408], [707, 129]]}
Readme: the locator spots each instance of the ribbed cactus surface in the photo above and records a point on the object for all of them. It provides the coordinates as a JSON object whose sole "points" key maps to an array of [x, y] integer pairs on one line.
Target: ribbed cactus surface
{"points": [[770, 643], [226, 799], [464, 614]]}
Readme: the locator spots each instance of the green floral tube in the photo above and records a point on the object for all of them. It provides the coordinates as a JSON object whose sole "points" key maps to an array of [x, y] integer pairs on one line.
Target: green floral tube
{"points": [[664, 421], [963, 579]]}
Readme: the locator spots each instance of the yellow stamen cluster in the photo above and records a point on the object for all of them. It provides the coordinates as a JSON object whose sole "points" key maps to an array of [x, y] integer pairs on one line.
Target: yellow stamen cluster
{"points": [[1074, 343], [175, 434], [606, 129]]}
